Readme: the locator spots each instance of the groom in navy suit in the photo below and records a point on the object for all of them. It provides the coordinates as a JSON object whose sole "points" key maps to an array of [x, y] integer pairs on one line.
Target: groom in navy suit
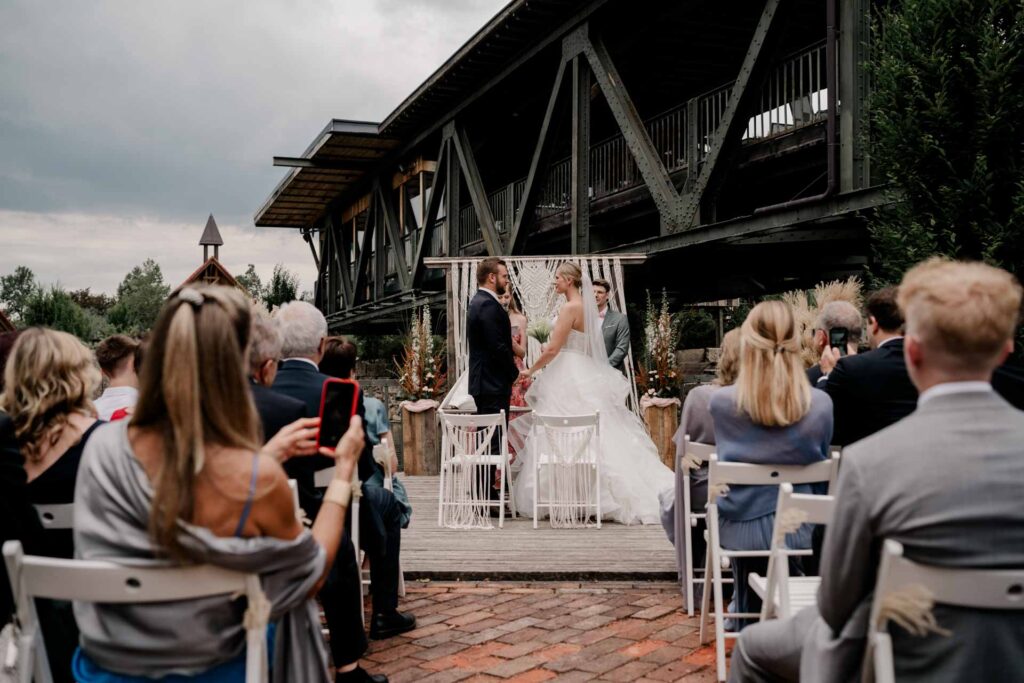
{"points": [[492, 367]]}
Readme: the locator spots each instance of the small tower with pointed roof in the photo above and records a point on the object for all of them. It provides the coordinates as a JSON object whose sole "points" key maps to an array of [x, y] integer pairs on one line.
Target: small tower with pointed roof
{"points": [[211, 237]]}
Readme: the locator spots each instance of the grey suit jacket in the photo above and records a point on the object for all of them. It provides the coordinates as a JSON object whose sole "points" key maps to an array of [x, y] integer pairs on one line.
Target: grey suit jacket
{"points": [[946, 482], [615, 329]]}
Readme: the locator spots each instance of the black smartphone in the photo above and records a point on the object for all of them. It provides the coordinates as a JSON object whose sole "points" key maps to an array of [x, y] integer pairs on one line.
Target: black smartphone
{"points": [[838, 337], [337, 406]]}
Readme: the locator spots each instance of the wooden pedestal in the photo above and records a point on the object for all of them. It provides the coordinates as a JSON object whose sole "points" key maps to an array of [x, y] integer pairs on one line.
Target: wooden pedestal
{"points": [[421, 446], [662, 423]]}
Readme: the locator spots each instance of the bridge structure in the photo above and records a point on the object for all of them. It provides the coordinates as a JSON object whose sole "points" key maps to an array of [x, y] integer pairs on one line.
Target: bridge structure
{"points": [[725, 140]]}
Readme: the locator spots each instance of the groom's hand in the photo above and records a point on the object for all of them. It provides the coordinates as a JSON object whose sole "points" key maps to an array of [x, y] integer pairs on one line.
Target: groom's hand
{"points": [[523, 375]]}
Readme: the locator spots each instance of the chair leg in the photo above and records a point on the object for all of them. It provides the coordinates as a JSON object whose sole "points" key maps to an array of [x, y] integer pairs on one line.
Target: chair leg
{"points": [[597, 481], [501, 496], [440, 494], [536, 488], [719, 613]]}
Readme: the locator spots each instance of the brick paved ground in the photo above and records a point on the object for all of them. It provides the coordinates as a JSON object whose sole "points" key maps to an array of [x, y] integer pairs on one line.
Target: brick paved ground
{"points": [[545, 631]]}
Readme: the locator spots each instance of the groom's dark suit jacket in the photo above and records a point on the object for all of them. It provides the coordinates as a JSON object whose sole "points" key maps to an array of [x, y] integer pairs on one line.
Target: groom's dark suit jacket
{"points": [[492, 366]]}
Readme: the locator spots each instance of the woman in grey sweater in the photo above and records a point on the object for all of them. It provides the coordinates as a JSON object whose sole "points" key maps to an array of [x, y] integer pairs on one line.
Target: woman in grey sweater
{"points": [[770, 416]]}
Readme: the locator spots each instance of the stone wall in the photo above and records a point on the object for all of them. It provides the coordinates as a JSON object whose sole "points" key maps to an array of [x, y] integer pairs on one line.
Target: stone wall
{"points": [[696, 366]]}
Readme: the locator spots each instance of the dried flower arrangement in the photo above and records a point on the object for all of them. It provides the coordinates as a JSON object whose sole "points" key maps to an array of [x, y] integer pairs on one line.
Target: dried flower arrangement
{"points": [[421, 372]]}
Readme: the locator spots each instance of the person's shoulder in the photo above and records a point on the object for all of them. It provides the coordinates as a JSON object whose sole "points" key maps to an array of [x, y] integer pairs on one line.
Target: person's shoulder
{"points": [[820, 400], [722, 399]]}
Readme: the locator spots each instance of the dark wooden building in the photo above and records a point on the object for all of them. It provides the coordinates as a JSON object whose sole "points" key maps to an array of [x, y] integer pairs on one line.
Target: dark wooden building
{"points": [[726, 140]]}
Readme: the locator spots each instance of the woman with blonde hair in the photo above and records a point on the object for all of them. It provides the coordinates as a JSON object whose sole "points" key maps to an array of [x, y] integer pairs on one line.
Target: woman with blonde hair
{"points": [[49, 382], [184, 481], [770, 415], [576, 379]]}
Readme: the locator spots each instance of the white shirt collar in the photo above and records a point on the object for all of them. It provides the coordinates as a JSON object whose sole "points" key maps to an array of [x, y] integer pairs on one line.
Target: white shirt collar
{"points": [[494, 294], [117, 392], [304, 360], [948, 388], [890, 339]]}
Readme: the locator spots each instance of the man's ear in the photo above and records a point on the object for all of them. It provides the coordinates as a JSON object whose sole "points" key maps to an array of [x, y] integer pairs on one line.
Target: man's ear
{"points": [[912, 351]]}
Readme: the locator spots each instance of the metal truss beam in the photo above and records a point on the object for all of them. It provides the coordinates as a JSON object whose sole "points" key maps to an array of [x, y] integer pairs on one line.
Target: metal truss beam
{"points": [[430, 217], [307, 234], [394, 232], [364, 257], [477, 193], [580, 156], [745, 90], [453, 203], [650, 165], [339, 254], [541, 155]]}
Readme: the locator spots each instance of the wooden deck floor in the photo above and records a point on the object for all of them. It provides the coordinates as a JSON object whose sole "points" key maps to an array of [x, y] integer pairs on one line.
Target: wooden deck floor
{"points": [[519, 552]]}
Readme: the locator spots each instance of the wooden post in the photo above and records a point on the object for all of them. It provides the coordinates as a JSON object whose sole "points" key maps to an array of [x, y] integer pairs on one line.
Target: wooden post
{"points": [[662, 423], [421, 448]]}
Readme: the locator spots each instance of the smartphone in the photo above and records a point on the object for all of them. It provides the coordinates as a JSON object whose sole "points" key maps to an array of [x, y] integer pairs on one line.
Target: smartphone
{"points": [[838, 338], [337, 406]]}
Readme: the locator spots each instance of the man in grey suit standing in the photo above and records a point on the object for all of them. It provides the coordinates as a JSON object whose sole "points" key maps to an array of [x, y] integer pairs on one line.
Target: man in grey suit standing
{"points": [[945, 482], [614, 326]]}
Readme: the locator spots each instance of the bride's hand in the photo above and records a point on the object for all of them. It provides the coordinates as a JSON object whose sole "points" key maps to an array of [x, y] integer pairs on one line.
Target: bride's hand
{"points": [[525, 375]]}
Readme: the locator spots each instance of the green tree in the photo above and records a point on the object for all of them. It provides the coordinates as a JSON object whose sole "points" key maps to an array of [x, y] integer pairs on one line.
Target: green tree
{"points": [[55, 308], [282, 288], [140, 296], [99, 303], [15, 291], [250, 280], [948, 132]]}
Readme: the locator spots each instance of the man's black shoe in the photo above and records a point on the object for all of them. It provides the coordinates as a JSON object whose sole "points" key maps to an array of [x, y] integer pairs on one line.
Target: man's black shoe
{"points": [[359, 675], [387, 625]]}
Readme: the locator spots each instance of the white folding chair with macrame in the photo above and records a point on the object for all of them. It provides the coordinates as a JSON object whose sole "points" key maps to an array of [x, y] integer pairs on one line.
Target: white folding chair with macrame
{"points": [[57, 516], [567, 469], [721, 475], [783, 595], [472, 448], [692, 457], [906, 591], [108, 582]]}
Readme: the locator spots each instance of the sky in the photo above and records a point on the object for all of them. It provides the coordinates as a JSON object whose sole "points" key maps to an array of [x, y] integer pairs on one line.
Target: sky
{"points": [[124, 124]]}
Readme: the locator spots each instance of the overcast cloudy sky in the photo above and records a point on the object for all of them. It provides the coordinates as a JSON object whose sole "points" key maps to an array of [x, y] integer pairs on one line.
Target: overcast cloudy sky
{"points": [[123, 124]]}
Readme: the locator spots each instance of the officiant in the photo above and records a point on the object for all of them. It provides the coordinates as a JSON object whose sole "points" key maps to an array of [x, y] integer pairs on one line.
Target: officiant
{"points": [[614, 326]]}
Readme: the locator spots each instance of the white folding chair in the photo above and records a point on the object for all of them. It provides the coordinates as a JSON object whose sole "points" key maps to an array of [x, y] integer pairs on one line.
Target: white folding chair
{"points": [[783, 595], [107, 582], [692, 453], [322, 479], [735, 473], [568, 451], [980, 589], [467, 459], [56, 516]]}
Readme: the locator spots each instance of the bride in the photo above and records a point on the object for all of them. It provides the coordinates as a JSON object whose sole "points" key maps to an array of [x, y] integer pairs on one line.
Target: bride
{"points": [[577, 380]]}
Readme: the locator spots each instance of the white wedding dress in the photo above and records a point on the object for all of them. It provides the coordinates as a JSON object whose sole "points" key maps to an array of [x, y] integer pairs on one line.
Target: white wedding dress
{"points": [[579, 381]]}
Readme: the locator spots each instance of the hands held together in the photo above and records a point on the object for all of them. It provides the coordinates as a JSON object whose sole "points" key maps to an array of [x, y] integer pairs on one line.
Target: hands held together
{"points": [[299, 438]]}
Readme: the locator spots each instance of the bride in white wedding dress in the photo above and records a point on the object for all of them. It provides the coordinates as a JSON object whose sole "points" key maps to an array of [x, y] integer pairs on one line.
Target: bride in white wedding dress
{"points": [[577, 380]]}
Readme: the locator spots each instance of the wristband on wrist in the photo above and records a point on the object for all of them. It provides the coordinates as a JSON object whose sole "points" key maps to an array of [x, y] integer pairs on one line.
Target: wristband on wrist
{"points": [[338, 492]]}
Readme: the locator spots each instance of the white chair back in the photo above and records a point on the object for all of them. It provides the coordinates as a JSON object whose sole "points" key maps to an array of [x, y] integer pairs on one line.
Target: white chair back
{"points": [[724, 474], [568, 453], [686, 520], [469, 456], [981, 589], [107, 582], [792, 510], [56, 516]]}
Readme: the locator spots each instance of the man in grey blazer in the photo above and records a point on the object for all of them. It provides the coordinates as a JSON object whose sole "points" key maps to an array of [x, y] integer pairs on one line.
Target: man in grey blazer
{"points": [[945, 482], [614, 326]]}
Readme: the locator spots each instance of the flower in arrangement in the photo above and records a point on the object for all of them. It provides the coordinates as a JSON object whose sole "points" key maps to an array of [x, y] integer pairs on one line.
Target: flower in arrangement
{"points": [[540, 330], [656, 372], [421, 371]]}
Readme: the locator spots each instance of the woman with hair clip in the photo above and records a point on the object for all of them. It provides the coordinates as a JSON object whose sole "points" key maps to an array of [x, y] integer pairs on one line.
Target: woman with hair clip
{"points": [[184, 481], [771, 415], [49, 382], [576, 379]]}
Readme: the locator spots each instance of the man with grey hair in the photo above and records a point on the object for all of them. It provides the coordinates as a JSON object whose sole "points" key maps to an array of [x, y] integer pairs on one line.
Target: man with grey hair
{"points": [[275, 410], [303, 338], [835, 317]]}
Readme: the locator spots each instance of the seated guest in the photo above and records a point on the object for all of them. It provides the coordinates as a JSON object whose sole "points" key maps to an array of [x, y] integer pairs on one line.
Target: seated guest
{"points": [[340, 361], [116, 356], [696, 423], [944, 482], [304, 336], [872, 390], [770, 415], [184, 480], [835, 315]]}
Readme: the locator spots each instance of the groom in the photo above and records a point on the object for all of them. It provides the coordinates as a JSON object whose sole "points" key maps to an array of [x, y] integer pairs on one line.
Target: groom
{"points": [[492, 367]]}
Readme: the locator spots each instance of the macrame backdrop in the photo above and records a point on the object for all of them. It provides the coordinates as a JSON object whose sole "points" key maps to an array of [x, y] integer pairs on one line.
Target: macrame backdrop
{"points": [[532, 279]]}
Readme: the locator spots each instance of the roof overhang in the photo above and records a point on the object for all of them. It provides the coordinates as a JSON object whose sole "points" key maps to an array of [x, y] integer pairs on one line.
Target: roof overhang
{"points": [[339, 157]]}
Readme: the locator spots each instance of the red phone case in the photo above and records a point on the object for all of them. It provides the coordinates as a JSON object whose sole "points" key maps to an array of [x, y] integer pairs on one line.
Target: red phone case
{"points": [[323, 400]]}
